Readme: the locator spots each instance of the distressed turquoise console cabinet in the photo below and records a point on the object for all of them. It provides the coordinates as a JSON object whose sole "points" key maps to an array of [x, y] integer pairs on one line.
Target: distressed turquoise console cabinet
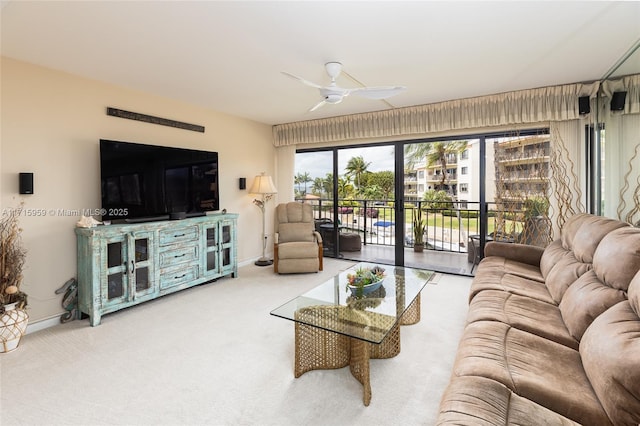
{"points": [[123, 265]]}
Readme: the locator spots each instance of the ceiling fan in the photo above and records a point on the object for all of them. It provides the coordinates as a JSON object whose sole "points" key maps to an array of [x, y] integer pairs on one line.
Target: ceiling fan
{"points": [[333, 94]]}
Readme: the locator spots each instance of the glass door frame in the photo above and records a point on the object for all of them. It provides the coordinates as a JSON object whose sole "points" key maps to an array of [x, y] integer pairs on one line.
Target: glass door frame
{"points": [[399, 169]]}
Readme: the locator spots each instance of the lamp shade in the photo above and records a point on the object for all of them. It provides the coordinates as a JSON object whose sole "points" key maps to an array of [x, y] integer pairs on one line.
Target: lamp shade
{"points": [[263, 185]]}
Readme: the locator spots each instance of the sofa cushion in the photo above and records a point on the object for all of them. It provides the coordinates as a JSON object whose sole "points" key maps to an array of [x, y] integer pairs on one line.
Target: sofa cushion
{"points": [[553, 253], [610, 350], [591, 232], [570, 229], [587, 298], [634, 293], [478, 401], [509, 266], [617, 258], [488, 278], [523, 313], [563, 274], [545, 372], [519, 253]]}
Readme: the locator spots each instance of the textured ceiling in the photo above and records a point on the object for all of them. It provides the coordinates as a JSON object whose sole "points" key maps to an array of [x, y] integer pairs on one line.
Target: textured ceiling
{"points": [[228, 56]]}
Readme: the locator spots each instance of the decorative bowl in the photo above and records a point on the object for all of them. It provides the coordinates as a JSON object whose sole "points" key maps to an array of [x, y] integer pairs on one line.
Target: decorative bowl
{"points": [[365, 280]]}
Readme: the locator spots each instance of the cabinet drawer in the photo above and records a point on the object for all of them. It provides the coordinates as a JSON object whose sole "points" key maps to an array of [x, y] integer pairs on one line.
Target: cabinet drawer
{"points": [[179, 235], [175, 256], [176, 276]]}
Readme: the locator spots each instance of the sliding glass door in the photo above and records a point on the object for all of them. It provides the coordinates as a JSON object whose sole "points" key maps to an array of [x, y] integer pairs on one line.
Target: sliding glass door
{"points": [[314, 184], [353, 191], [431, 203]]}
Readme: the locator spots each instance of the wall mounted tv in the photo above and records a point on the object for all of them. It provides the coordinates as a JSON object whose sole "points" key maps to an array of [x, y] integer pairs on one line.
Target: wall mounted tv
{"points": [[147, 182]]}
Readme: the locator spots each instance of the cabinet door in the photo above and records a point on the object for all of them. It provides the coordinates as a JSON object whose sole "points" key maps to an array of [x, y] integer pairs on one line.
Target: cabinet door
{"points": [[212, 257], [114, 285], [141, 266], [227, 247], [220, 253]]}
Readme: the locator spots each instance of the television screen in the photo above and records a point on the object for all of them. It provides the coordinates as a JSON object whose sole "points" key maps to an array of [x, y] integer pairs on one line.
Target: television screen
{"points": [[147, 182]]}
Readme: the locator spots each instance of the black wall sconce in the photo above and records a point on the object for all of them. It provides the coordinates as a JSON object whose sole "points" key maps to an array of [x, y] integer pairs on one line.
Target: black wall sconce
{"points": [[242, 183], [26, 183]]}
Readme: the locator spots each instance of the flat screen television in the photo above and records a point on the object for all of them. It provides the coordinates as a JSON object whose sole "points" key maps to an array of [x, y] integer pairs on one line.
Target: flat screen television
{"points": [[146, 182]]}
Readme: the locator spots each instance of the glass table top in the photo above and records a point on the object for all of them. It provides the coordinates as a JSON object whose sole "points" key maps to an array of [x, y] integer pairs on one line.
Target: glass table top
{"points": [[333, 307]]}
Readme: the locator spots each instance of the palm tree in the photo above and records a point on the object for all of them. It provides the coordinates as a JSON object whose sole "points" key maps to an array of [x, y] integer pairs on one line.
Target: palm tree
{"points": [[327, 185], [344, 187], [356, 167], [304, 179], [434, 153], [318, 186]]}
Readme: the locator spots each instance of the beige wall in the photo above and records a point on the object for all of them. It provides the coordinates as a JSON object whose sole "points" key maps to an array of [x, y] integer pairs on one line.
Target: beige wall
{"points": [[51, 125]]}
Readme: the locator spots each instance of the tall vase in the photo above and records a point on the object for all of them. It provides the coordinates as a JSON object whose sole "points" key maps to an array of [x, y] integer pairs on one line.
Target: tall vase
{"points": [[13, 324]]}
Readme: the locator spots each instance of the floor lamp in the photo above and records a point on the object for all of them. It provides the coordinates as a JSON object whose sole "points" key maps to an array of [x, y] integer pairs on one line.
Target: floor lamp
{"points": [[263, 185]]}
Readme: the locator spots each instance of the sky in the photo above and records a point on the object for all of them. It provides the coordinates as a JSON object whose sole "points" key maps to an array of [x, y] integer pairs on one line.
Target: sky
{"points": [[318, 164]]}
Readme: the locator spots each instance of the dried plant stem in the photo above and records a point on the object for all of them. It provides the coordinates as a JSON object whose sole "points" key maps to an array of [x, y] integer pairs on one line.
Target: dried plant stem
{"points": [[12, 257], [622, 205], [565, 182]]}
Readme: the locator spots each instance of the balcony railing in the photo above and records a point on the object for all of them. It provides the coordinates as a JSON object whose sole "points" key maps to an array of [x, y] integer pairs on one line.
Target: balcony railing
{"points": [[449, 227]]}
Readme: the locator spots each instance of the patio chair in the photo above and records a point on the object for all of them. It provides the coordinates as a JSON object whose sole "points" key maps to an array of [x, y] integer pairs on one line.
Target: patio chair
{"points": [[297, 245]]}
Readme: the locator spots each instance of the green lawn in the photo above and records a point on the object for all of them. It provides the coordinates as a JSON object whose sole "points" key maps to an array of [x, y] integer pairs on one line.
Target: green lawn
{"points": [[471, 225]]}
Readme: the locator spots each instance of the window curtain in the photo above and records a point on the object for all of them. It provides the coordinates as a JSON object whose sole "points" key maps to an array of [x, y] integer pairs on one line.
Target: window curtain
{"points": [[567, 171], [621, 188], [629, 84], [621, 150], [555, 103], [285, 171]]}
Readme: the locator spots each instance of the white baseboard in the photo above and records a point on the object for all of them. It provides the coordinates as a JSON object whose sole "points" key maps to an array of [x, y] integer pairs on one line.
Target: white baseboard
{"points": [[252, 261], [32, 327], [42, 324]]}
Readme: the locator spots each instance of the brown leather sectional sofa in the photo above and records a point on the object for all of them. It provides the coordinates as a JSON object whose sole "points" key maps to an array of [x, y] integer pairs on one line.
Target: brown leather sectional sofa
{"points": [[552, 335]]}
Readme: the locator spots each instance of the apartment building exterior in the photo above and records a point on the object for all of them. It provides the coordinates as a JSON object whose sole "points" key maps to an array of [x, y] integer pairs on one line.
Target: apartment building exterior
{"points": [[517, 169]]}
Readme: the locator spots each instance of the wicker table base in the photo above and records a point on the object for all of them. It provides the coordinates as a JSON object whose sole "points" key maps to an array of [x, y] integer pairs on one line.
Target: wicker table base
{"points": [[318, 349]]}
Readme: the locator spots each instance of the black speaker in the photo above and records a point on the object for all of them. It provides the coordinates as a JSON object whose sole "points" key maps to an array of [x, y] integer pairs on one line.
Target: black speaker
{"points": [[617, 101], [26, 183], [242, 183], [584, 106]]}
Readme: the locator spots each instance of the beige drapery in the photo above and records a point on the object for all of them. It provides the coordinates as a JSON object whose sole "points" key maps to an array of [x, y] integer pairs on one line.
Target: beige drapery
{"points": [[567, 172], [555, 103], [629, 84]]}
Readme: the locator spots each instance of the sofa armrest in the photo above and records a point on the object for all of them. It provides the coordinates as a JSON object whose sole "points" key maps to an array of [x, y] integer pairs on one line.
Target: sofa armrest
{"points": [[519, 252], [318, 236], [276, 237]]}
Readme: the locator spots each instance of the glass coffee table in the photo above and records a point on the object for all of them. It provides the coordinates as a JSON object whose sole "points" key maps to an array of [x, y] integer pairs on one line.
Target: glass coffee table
{"points": [[334, 328]]}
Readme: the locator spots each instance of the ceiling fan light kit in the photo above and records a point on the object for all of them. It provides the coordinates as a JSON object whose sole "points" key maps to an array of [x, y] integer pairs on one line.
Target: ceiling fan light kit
{"points": [[333, 94]]}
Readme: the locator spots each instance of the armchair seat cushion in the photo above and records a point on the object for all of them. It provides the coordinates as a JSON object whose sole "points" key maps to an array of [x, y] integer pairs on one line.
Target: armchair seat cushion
{"points": [[298, 250]]}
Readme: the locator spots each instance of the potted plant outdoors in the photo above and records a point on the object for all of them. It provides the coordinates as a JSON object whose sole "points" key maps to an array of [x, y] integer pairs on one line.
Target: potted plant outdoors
{"points": [[536, 229], [419, 227], [13, 317]]}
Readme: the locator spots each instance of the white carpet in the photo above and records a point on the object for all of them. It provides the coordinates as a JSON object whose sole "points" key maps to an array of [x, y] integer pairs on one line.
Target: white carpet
{"points": [[213, 355]]}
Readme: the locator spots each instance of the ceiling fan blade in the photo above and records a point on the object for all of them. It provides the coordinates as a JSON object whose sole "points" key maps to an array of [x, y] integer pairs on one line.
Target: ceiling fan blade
{"points": [[318, 105], [307, 82], [380, 92]]}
